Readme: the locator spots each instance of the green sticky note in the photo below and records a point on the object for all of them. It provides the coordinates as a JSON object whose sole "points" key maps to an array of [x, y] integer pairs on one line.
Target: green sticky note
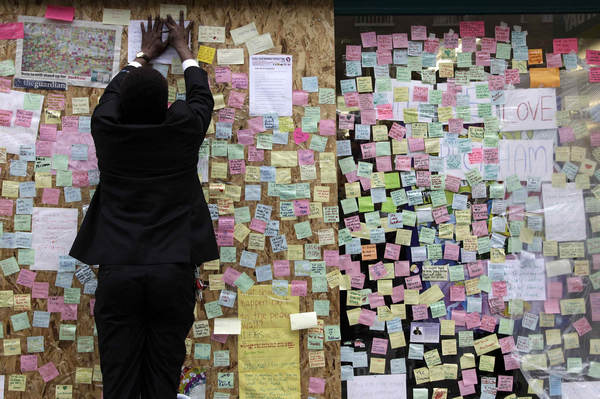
{"points": [[9, 266], [347, 165], [457, 273], [403, 74], [64, 178], [391, 180], [513, 183], [20, 321], [485, 283], [221, 358], [388, 206], [435, 97], [235, 151], [438, 198], [242, 215], [303, 230], [22, 223], [365, 204], [85, 344], [464, 60], [35, 344], [60, 162], [574, 365], [32, 102], [218, 148], [225, 380], [321, 307], [7, 68], [228, 255], [314, 342], [434, 251], [319, 284], [318, 143], [202, 351], [506, 326], [1, 330], [482, 91], [67, 332], [213, 309], [484, 110], [415, 63], [326, 95], [399, 197], [438, 309], [426, 235], [332, 333], [26, 256], [349, 205], [264, 141], [72, 295], [244, 282], [409, 218]]}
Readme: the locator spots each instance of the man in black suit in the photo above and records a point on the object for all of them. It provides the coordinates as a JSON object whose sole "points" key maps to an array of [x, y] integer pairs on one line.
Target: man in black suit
{"points": [[148, 224]]}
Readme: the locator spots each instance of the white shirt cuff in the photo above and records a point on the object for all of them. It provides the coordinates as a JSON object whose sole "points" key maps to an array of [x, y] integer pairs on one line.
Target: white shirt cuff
{"points": [[135, 64], [188, 63]]}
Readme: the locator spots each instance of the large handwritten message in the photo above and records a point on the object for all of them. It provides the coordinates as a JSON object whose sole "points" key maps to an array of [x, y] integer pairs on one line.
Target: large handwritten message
{"points": [[525, 158], [528, 109], [268, 351]]}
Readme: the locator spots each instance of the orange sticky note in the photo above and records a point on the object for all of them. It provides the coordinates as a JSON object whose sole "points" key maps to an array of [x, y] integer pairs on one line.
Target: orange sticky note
{"points": [[544, 77], [536, 56], [369, 252], [206, 54]]}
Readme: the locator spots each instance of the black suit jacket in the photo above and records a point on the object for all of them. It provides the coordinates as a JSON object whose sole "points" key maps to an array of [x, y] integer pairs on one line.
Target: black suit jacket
{"points": [[148, 206]]}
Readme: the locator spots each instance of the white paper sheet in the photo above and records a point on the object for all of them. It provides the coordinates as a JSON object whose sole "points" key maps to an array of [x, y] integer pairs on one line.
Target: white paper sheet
{"points": [[228, 325], [564, 213], [134, 42], [300, 321], [271, 85], [54, 230], [392, 386], [12, 138]]}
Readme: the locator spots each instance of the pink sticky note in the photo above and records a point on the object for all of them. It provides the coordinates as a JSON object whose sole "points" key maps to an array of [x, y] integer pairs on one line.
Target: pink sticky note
{"points": [[92, 305], [48, 372], [327, 127], [299, 97], [69, 312], [236, 99], [357, 280], [472, 29], [392, 251], [376, 300], [413, 282], [301, 207], [239, 80], [5, 85], [459, 317], [379, 346], [469, 376], [221, 338], [299, 288], [367, 317], [353, 53], [505, 383], [5, 117], [281, 268], [222, 74], [595, 305], [11, 30], [369, 39], [300, 136], [582, 326], [488, 323], [39, 289], [230, 276], [551, 306], [451, 251], [26, 278], [6, 207], [511, 362], [48, 132], [61, 13], [457, 293], [50, 196], [28, 362], [565, 46], [502, 33], [402, 268], [594, 74], [55, 303], [472, 320], [418, 32], [44, 148], [316, 385], [465, 389], [397, 294], [400, 40], [419, 312], [507, 344]]}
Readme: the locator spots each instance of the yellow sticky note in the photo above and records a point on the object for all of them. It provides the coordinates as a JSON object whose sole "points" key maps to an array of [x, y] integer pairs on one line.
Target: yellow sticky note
{"points": [[449, 347], [364, 84], [467, 361], [10, 188], [377, 365], [400, 94], [421, 375], [17, 382], [206, 54], [486, 363], [447, 327], [486, 344]]}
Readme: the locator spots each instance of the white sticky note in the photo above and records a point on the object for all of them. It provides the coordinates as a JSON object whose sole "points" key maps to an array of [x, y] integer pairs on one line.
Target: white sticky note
{"points": [[300, 321], [228, 325], [558, 268], [230, 56], [211, 34], [115, 16], [244, 33], [259, 44]]}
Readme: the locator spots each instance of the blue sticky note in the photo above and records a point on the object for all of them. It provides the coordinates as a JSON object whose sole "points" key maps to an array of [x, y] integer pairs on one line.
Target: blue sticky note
{"points": [[310, 84]]}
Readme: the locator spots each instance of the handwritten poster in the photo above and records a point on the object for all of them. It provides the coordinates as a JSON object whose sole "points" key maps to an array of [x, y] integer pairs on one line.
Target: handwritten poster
{"points": [[54, 230], [526, 158], [528, 109], [524, 280], [12, 134], [268, 351]]}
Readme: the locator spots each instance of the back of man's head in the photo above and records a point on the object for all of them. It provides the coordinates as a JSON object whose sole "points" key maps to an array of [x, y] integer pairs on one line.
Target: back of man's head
{"points": [[144, 96]]}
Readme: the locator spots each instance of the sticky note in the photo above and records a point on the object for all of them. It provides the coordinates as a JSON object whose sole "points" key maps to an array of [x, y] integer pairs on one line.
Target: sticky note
{"points": [[300, 321], [227, 325], [60, 13]]}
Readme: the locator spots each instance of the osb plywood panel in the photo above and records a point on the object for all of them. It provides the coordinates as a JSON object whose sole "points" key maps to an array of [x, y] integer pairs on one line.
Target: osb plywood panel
{"points": [[303, 29]]}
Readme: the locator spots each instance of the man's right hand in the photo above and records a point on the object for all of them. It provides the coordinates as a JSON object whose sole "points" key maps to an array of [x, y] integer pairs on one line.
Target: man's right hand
{"points": [[178, 36]]}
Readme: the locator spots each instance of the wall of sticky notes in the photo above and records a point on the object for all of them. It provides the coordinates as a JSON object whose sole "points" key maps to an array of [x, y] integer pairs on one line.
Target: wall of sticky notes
{"points": [[467, 150], [270, 182]]}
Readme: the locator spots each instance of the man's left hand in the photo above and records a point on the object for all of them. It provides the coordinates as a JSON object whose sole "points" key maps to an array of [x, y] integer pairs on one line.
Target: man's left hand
{"points": [[152, 43]]}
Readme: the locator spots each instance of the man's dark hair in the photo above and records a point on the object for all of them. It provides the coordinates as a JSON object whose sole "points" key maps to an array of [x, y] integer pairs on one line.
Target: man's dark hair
{"points": [[144, 96]]}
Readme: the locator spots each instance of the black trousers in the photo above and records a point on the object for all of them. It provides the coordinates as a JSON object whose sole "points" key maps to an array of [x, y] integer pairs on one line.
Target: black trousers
{"points": [[143, 314]]}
